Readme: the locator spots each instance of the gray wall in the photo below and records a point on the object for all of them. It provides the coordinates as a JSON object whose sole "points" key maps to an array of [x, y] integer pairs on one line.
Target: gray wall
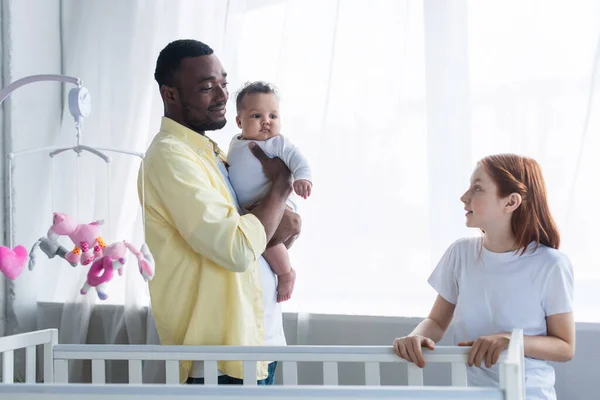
{"points": [[578, 379], [580, 382]]}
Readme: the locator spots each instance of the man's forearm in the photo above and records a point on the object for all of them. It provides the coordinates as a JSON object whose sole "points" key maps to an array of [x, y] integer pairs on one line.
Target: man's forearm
{"points": [[288, 243], [271, 208], [288, 230]]}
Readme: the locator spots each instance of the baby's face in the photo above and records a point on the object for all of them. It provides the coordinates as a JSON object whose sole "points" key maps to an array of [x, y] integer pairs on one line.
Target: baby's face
{"points": [[259, 116]]}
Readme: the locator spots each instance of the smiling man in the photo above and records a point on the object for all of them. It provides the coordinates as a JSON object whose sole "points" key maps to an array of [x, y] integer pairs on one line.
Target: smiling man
{"points": [[211, 285]]}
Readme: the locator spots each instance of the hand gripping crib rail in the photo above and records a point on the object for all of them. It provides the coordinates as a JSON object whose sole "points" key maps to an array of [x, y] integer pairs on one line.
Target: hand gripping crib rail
{"points": [[56, 358]]}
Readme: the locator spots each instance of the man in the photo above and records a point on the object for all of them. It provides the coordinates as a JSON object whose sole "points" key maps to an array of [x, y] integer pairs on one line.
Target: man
{"points": [[211, 285]]}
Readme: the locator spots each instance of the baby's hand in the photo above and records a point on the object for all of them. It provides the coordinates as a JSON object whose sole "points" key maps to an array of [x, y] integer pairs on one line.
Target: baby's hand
{"points": [[302, 187]]}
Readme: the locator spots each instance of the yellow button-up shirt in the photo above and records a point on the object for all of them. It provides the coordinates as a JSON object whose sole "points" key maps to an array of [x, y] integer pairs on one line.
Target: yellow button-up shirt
{"points": [[206, 289]]}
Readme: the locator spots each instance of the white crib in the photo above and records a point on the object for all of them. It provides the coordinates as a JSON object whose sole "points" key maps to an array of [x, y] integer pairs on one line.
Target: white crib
{"points": [[152, 392], [57, 357]]}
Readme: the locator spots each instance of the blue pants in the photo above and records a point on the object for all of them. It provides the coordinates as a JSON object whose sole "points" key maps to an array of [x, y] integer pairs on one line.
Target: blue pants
{"points": [[228, 380]]}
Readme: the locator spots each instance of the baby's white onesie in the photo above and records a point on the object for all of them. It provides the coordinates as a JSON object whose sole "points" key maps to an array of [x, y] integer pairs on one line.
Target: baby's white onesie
{"points": [[245, 171]]}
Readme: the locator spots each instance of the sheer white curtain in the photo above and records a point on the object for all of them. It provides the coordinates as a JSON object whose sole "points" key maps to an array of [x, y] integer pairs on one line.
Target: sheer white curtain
{"points": [[112, 46], [395, 102], [535, 89], [353, 89], [352, 84], [392, 103]]}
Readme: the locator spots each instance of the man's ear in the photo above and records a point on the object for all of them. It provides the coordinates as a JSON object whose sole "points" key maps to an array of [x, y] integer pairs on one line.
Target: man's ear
{"points": [[513, 202], [169, 94]]}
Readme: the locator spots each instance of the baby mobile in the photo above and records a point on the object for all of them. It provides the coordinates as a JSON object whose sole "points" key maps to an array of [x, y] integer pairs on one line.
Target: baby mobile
{"points": [[89, 249]]}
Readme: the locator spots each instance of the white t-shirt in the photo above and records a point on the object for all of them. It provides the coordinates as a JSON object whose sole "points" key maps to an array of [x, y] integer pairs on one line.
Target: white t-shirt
{"points": [[246, 173], [498, 292], [274, 335]]}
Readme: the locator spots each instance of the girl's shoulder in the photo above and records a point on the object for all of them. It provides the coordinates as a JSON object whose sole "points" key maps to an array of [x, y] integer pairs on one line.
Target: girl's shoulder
{"points": [[467, 245], [549, 257]]}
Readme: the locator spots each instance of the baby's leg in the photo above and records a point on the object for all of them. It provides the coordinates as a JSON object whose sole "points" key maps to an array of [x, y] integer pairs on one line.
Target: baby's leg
{"points": [[279, 260]]}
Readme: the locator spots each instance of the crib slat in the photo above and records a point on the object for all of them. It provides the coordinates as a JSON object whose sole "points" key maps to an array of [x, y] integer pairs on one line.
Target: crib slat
{"points": [[250, 373], [330, 373], [49, 356], [459, 374], [372, 374], [61, 371], [8, 362], [135, 371], [290, 373], [210, 373], [98, 372], [415, 375], [172, 372], [30, 364]]}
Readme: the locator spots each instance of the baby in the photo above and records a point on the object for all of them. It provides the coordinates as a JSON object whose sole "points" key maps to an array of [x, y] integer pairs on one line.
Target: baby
{"points": [[258, 117]]}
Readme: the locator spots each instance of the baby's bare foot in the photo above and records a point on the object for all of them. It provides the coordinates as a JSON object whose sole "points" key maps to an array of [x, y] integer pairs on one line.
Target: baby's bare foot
{"points": [[285, 285]]}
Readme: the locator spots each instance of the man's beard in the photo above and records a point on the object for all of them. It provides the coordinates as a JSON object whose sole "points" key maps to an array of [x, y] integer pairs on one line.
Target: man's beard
{"points": [[208, 125], [201, 125]]}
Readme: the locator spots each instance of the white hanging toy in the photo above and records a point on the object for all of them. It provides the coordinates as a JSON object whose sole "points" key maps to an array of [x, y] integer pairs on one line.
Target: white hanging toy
{"points": [[79, 106]]}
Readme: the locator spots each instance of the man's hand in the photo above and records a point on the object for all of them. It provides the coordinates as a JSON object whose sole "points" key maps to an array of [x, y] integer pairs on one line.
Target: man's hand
{"points": [[303, 187], [271, 208], [288, 230], [273, 168]]}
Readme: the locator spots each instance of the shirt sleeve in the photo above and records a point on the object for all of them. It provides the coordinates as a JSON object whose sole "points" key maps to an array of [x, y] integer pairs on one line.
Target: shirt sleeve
{"points": [[444, 278], [558, 290], [207, 221], [283, 148]]}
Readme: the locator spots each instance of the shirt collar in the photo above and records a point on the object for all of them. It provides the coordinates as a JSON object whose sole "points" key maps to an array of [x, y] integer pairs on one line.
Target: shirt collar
{"points": [[200, 143]]}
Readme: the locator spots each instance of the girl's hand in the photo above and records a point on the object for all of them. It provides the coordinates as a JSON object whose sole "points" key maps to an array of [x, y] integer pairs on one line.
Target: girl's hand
{"points": [[409, 348], [486, 348]]}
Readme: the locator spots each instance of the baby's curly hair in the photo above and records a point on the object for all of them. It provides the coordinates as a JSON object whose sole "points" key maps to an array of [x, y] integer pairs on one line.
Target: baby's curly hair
{"points": [[254, 88]]}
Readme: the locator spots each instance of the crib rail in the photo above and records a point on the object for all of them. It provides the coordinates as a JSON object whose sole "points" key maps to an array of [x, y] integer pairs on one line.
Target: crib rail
{"points": [[189, 392], [28, 341], [288, 356], [57, 357]]}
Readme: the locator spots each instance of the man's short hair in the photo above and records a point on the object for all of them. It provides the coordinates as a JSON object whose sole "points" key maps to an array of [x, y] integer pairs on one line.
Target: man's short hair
{"points": [[169, 59]]}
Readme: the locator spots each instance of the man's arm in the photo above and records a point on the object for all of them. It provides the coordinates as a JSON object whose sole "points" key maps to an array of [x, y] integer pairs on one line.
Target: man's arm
{"points": [[272, 207], [288, 230], [206, 220]]}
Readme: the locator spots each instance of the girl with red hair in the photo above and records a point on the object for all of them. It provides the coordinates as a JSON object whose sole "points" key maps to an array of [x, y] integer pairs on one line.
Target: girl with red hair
{"points": [[512, 276]]}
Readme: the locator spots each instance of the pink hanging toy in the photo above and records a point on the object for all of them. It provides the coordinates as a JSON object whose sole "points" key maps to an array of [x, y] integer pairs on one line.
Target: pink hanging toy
{"points": [[86, 237], [102, 270], [12, 261]]}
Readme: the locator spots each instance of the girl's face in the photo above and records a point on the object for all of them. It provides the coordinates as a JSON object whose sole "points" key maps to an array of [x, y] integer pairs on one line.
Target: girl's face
{"points": [[484, 208]]}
